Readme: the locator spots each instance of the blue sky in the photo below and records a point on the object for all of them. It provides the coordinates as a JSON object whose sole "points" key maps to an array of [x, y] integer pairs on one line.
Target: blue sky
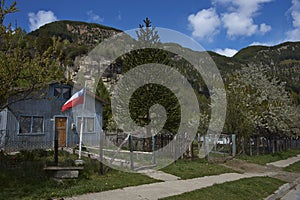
{"points": [[224, 26]]}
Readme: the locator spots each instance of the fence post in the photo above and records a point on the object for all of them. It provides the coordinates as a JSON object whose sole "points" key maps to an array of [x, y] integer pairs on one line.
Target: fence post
{"points": [[273, 145], [250, 146], [131, 152], [101, 152], [153, 148], [199, 139], [206, 144], [233, 137], [257, 145]]}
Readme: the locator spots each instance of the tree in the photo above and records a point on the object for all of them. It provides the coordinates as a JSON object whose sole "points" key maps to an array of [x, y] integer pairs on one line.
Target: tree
{"points": [[102, 92], [150, 94], [259, 102], [4, 11], [23, 68]]}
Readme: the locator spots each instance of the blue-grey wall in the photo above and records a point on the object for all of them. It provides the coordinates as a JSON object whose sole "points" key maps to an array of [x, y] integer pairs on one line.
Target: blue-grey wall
{"points": [[45, 104]]}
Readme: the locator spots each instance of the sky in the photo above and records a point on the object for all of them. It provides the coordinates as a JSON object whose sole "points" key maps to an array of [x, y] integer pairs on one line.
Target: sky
{"points": [[223, 26]]}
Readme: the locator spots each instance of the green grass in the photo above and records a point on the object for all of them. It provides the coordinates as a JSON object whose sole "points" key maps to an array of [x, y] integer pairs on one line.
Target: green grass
{"points": [[22, 177], [267, 158], [295, 167], [187, 169], [243, 189]]}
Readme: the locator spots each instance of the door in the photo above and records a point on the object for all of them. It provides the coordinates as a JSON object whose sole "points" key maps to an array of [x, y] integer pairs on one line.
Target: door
{"points": [[61, 127]]}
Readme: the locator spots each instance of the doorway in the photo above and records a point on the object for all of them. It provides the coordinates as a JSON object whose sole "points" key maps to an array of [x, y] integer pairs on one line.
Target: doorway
{"points": [[61, 127]]}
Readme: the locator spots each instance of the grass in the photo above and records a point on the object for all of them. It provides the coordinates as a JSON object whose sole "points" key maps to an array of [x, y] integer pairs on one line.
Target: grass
{"points": [[186, 169], [243, 189], [295, 167], [22, 177], [267, 158]]}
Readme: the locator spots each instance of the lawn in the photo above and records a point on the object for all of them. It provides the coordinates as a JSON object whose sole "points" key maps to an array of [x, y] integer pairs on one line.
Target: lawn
{"points": [[267, 158], [186, 169], [22, 177], [243, 189], [295, 167]]}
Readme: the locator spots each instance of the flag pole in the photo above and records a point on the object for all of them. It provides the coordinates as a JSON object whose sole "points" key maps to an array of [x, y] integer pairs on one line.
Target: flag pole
{"points": [[82, 121]]}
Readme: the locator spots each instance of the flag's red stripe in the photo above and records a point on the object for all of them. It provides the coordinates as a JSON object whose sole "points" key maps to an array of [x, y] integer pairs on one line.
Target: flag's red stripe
{"points": [[73, 103]]}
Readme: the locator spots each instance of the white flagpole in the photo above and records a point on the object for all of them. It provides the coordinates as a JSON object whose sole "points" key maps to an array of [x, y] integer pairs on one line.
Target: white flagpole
{"points": [[82, 121]]}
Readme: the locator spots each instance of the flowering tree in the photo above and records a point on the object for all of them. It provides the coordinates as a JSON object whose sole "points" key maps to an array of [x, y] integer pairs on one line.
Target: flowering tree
{"points": [[258, 101]]}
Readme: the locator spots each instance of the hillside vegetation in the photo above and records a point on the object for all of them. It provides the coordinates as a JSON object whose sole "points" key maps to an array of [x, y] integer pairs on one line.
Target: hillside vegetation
{"points": [[282, 60]]}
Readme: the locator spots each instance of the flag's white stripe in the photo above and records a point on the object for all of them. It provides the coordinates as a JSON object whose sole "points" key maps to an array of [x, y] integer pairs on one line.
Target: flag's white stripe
{"points": [[76, 95]]}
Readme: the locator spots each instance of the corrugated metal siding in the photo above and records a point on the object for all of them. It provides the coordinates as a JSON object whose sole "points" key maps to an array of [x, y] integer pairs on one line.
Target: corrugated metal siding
{"points": [[3, 121], [49, 107], [92, 109], [16, 141]]}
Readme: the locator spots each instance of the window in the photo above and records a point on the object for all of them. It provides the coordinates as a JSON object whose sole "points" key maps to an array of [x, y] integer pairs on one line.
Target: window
{"points": [[62, 92], [66, 92], [57, 92], [88, 126], [31, 124]]}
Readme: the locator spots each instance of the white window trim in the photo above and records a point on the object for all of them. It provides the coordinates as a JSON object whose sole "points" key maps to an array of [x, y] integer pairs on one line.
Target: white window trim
{"points": [[84, 117]]}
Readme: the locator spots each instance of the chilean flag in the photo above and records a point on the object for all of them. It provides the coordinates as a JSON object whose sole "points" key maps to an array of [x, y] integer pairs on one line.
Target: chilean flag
{"points": [[76, 99]]}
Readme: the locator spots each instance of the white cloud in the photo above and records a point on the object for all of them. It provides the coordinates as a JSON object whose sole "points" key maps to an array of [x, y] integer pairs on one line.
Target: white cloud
{"points": [[269, 44], [226, 52], [94, 17], [238, 25], [205, 23], [264, 28], [294, 34], [239, 18], [40, 18]]}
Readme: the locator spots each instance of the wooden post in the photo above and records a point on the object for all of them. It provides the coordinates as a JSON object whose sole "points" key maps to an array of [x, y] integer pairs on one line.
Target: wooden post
{"points": [[206, 147], [257, 145], [233, 137], [174, 148], [250, 146], [199, 147], [263, 145], [131, 152], [273, 145], [153, 148], [101, 172]]}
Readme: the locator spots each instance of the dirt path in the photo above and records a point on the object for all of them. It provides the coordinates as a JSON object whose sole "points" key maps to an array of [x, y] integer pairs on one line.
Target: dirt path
{"points": [[276, 168]]}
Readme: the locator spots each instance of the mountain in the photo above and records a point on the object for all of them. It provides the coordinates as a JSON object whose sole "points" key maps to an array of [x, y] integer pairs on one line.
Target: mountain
{"points": [[79, 37], [281, 60], [82, 33]]}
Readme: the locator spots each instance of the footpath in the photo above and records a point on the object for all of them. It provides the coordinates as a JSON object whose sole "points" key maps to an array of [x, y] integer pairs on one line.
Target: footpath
{"points": [[172, 185]]}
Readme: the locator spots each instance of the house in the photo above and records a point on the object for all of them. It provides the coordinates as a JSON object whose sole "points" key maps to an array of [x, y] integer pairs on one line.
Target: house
{"points": [[31, 123]]}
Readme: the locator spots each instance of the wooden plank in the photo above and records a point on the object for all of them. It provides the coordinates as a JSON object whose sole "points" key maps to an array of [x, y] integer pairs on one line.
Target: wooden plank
{"points": [[57, 168]]}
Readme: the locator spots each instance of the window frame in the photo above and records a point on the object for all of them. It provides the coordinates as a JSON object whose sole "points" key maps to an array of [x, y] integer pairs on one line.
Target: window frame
{"points": [[85, 127], [31, 125], [61, 95]]}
